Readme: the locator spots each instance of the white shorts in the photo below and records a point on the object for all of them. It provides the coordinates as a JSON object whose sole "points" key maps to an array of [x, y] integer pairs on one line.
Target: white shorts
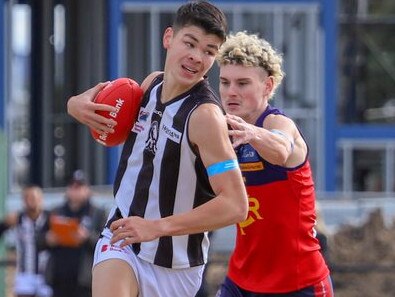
{"points": [[31, 284], [153, 280]]}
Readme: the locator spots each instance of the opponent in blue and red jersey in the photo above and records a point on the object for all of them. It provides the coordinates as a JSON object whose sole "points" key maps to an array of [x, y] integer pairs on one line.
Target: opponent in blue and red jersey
{"points": [[276, 253]]}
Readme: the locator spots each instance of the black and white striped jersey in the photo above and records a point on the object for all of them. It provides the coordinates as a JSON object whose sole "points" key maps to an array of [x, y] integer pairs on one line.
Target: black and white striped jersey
{"points": [[160, 174], [29, 259]]}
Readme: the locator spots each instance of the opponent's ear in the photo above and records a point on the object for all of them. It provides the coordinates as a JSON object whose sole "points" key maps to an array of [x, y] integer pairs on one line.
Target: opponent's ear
{"points": [[167, 36], [269, 85]]}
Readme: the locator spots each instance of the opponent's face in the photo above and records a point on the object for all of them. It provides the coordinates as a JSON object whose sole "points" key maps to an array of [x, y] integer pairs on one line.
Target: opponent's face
{"points": [[190, 53], [244, 90]]}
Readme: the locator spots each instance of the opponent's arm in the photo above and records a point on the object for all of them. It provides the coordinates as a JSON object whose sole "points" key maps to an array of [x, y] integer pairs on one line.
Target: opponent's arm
{"points": [[279, 141]]}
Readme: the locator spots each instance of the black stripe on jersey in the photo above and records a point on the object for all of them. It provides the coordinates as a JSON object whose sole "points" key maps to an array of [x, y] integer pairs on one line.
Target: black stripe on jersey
{"points": [[21, 243], [116, 216], [127, 148], [168, 185], [164, 253], [123, 163], [137, 207], [36, 260], [195, 254]]}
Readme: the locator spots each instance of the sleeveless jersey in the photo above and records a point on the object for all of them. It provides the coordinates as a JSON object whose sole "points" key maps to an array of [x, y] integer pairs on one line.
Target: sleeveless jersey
{"points": [[276, 249], [160, 174], [29, 259]]}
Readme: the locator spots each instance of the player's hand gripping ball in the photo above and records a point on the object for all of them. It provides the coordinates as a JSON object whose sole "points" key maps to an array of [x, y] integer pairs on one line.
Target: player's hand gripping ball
{"points": [[125, 95]]}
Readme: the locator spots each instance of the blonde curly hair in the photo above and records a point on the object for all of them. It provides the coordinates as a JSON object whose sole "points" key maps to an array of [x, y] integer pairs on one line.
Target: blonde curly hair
{"points": [[251, 51]]}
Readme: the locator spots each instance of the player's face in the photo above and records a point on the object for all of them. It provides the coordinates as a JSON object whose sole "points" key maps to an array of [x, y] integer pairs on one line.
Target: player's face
{"points": [[190, 53], [33, 200], [244, 91]]}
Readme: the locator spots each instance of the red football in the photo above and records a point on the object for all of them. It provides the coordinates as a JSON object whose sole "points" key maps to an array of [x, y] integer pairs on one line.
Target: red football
{"points": [[125, 94]]}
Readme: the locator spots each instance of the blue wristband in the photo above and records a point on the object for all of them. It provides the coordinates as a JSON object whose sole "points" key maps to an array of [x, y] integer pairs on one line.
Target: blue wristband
{"points": [[222, 167]]}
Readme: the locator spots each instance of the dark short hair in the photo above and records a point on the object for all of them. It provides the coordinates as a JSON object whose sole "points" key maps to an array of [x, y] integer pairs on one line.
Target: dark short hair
{"points": [[204, 15]]}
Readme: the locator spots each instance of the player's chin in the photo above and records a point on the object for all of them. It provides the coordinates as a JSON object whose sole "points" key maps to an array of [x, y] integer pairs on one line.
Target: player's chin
{"points": [[232, 109]]}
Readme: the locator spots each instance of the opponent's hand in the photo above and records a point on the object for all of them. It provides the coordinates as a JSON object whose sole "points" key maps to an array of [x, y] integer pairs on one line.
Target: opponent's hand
{"points": [[82, 108], [242, 132], [132, 230]]}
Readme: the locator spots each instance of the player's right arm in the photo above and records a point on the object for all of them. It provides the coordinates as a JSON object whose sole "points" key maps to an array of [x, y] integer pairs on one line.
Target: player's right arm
{"points": [[82, 108]]}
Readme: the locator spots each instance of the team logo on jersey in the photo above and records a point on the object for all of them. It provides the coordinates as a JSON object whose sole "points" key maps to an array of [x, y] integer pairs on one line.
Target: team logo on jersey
{"points": [[172, 133], [150, 143], [142, 117], [111, 247], [137, 128], [254, 166], [158, 112], [247, 154], [253, 214]]}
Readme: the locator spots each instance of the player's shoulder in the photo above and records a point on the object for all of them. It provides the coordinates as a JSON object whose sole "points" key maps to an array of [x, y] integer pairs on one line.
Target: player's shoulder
{"points": [[149, 79], [207, 117], [203, 93], [209, 110]]}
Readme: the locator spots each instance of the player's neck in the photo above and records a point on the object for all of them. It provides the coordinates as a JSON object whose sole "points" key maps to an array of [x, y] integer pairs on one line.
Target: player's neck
{"points": [[172, 89], [33, 214]]}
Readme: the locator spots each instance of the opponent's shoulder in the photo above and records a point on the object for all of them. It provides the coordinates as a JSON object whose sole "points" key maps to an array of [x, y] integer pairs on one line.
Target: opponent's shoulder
{"points": [[280, 122]]}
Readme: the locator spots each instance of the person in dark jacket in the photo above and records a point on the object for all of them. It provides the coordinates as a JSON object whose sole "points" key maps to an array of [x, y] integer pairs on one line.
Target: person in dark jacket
{"points": [[71, 237]]}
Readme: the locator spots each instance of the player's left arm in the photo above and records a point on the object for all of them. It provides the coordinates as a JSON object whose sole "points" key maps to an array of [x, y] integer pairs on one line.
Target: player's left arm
{"points": [[209, 133]]}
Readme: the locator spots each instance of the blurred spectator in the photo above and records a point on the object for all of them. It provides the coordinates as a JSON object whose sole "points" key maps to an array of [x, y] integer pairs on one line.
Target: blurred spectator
{"points": [[29, 279], [71, 237]]}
